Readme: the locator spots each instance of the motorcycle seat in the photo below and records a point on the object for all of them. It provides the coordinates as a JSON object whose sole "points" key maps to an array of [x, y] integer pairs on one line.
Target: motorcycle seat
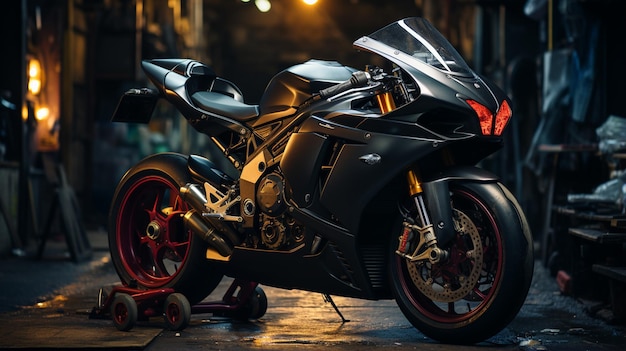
{"points": [[224, 105]]}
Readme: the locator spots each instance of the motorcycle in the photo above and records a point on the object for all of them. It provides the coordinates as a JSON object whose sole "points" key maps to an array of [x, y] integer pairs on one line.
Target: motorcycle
{"points": [[356, 183]]}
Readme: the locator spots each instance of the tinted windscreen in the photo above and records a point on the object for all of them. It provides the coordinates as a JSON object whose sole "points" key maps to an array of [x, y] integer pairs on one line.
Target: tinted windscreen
{"points": [[418, 38]]}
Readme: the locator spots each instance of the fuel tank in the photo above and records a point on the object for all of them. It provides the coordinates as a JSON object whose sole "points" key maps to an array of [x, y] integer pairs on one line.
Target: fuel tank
{"points": [[291, 87]]}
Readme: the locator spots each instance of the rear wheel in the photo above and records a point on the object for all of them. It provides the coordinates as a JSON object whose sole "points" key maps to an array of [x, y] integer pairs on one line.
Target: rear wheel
{"points": [[149, 244], [481, 286]]}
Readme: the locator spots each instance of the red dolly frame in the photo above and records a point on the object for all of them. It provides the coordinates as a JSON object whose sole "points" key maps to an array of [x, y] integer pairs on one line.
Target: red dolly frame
{"points": [[127, 304]]}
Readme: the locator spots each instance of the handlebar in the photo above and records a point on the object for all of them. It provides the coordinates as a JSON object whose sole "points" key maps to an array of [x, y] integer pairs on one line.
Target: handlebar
{"points": [[358, 79]]}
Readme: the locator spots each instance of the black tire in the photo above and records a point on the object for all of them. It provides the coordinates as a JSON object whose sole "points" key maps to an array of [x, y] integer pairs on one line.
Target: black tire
{"points": [[149, 244], [496, 275], [124, 312], [176, 312]]}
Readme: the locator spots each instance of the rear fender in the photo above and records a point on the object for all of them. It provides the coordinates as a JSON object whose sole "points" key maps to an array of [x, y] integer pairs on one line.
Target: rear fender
{"points": [[437, 196], [135, 106], [174, 164]]}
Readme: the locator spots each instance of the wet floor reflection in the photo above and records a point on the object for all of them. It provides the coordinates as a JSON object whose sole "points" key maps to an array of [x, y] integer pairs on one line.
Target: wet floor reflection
{"points": [[300, 317]]}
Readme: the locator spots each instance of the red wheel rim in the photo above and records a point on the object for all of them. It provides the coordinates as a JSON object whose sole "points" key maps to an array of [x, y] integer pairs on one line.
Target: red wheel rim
{"points": [[152, 242], [120, 313], [487, 286], [173, 313]]}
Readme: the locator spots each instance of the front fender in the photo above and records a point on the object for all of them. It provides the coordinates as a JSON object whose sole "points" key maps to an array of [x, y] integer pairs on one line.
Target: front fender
{"points": [[437, 196]]}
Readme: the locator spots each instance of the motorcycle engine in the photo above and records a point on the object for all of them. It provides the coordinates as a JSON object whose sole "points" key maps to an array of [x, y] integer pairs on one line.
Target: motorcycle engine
{"points": [[280, 233], [278, 230], [270, 196]]}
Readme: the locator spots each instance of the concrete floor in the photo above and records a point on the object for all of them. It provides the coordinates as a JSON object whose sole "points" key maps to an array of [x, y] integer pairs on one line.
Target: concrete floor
{"points": [[46, 305]]}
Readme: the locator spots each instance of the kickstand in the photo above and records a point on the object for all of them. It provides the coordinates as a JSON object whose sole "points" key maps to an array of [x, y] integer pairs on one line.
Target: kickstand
{"points": [[327, 298]]}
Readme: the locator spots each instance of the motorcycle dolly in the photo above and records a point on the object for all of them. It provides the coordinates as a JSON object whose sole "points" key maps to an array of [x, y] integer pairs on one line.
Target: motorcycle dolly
{"points": [[126, 305]]}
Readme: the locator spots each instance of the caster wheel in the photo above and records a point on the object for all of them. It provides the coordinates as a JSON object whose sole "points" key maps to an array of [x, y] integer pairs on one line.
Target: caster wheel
{"points": [[124, 312], [254, 308], [258, 303], [177, 311]]}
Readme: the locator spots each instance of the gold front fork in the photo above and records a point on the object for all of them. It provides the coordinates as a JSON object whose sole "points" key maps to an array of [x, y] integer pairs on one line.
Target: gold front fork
{"points": [[415, 191], [385, 102], [426, 248]]}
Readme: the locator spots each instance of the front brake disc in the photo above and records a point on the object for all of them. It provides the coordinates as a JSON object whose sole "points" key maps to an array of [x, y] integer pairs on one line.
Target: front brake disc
{"points": [[454, 278]]}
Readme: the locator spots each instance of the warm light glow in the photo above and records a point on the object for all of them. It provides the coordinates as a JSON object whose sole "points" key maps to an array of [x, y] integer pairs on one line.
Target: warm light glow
{"points": [[25, 112], [34, 76], [263, 5], [42, 113], [310, 2], [34, 86], [34, 68], [245, 0]]}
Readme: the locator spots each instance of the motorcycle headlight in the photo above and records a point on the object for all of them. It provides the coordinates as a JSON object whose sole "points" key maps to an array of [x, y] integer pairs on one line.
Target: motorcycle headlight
{"points": [[502, 117], [490, 125]]}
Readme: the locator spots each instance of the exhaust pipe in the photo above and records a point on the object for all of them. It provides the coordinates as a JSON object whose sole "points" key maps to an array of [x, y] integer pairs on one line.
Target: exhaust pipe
{"points": [[198, 226], [194, 195]]}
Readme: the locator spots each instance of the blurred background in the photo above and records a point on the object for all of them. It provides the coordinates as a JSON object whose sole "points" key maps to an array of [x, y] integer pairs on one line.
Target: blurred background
{"points": [[67, 62]]}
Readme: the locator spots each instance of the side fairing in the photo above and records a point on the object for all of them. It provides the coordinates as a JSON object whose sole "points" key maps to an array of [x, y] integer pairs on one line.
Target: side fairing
{"points": [[362, 163], [362, 170], [301, 164]]}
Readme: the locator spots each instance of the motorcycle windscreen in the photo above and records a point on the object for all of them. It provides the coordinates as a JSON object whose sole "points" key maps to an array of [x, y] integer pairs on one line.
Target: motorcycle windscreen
{"points": [[416, 42]]}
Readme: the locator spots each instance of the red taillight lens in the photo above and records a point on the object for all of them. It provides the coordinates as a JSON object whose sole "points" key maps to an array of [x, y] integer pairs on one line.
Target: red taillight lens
{"points": [[502, 117], [485, 117]]}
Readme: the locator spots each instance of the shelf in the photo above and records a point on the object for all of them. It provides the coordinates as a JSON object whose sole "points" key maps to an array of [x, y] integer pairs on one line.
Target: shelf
{"points": [[615, 273], [597, 236], [616, 220], [556, 148]]}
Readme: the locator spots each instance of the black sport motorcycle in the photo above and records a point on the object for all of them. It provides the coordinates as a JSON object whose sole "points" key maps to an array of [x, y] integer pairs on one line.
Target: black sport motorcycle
{"points": [[351, 183]]}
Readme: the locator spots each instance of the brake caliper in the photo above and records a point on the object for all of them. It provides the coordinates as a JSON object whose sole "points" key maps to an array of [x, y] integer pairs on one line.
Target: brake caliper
{"points": [[426, 246]]}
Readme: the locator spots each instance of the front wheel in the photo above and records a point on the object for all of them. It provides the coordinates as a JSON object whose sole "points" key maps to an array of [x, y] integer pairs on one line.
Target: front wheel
{"points": [[480, 287]]}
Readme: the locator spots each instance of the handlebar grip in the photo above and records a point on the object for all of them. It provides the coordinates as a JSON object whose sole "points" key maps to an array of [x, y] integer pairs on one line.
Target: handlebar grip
{"points": [[358, 79]]}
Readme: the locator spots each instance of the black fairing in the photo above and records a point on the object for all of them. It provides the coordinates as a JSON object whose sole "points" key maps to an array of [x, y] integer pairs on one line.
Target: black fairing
{"points": [[301, 165]]}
